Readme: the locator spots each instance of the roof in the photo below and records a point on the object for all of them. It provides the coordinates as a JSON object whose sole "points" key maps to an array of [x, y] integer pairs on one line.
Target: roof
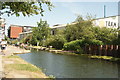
{"points": [[16, 26], [106, 17], [28, 26], [60, 25], [25, 32], [20, 26]]}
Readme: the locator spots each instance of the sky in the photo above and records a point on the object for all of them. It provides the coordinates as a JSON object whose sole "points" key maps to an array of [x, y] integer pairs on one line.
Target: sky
{"points": [[66, 11]]}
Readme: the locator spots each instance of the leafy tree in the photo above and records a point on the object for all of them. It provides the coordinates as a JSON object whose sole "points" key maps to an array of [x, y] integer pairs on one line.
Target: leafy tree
{"points": [[56, 41], [27, 39], [79, 18], [78, 45], [42, 23], [118, 38], [84, 30], [40, 33], [25, 7], [106, 35], [80, 30], [90, 17]]}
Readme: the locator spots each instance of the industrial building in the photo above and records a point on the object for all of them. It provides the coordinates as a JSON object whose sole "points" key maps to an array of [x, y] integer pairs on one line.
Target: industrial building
{"points": [[109, 22], [14, 31]]}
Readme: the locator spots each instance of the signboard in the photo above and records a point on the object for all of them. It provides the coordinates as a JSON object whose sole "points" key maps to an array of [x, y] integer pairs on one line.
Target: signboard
{"points": [[111, 24]]}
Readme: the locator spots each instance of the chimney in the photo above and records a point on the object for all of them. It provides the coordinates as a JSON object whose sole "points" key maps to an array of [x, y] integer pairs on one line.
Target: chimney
{"points": [[104, 11]]}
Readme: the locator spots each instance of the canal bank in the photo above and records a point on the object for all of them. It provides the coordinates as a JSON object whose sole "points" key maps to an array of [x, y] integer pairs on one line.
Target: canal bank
{"points": [[66, 66], [16, 67], [108, 58], [71, 66]]}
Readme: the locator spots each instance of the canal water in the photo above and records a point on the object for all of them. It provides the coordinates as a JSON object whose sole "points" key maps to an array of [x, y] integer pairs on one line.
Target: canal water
{"points": [[71, 66]]}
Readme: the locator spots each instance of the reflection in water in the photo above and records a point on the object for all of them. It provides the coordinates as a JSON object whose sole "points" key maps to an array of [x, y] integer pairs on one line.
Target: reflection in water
{"points": [[119, 71], [67, 66]]}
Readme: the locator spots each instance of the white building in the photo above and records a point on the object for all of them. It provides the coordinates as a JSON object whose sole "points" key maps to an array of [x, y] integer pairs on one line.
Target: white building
{"points": [[2, 28], [24, 34], [58, 26], [109, 22]]}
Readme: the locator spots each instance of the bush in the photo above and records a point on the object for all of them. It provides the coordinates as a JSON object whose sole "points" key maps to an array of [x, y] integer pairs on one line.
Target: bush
{"points": [[14, 41], [77, 45], [91, 42], [56, 41], [74, 46]]}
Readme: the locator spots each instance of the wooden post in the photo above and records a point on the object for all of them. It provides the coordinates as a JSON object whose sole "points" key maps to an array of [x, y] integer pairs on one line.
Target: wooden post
{"points": [[112, 50], [100, 50], [106, 47], [37, 43]]}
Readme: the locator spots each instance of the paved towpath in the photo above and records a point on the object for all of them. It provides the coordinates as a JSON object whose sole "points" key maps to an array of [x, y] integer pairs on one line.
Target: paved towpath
{"points": [[9, 51], [1, 69], [12, 49]]}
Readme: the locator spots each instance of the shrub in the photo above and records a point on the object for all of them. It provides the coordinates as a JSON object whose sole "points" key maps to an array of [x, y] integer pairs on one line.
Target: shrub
{"points": [[56, 41], [73, 45], [78, 45], [14, 41], [91, 42]]}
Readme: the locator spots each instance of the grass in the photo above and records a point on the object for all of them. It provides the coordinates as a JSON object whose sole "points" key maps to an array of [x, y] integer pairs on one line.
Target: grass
{"points": [[21, 65], [115, 59], [25, 67], [102, 57], [105, 58], [13, 56]]}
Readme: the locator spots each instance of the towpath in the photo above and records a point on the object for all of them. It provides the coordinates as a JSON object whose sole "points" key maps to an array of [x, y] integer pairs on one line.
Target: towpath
{"points": [[9, 51]]}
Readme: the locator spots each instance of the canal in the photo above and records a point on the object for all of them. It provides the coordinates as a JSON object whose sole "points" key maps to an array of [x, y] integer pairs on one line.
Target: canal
{"points": [[71, 66]]}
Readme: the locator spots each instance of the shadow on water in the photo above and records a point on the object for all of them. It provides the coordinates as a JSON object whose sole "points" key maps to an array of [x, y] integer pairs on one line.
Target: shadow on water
{"points": [[71, 66]]}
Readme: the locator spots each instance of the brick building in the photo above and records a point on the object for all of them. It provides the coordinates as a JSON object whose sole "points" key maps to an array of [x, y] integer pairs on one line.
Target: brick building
{"points": [[14, 30]]}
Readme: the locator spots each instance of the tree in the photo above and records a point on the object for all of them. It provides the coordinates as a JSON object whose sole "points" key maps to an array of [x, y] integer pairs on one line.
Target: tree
{"points": [[80, 30], [79, 18], [25, 7], [56, 41], [106, 35], [40, 33], [42, 23]]}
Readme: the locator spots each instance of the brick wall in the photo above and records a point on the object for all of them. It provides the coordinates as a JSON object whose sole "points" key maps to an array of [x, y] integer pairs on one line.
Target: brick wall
{"points": [[14, 31]]}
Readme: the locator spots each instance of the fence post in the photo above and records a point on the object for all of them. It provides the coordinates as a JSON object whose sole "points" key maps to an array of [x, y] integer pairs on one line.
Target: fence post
{"points": [[100, 50], [118, 52], [112, 52]]}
